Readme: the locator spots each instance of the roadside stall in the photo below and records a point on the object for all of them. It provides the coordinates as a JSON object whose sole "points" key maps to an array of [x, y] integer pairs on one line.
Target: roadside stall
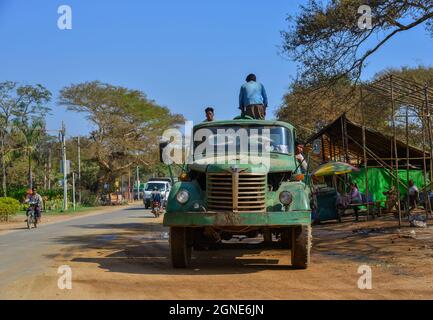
{"points": [[330, 182]]}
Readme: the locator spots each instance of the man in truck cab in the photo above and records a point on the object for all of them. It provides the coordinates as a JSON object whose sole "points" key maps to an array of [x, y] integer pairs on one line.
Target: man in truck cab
{"points": [[253, 100], [302, 163]]}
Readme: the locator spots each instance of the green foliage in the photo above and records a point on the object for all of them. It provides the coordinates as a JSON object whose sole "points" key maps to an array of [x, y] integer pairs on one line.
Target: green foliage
{"points": [[327, 42], [127, 126], [20, 193], [8, 207], [88, 199], [22, 124], [310, 110]]}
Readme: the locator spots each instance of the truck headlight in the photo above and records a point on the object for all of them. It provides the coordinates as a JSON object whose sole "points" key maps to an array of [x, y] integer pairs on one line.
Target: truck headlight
{"points": [[182, 196], [286, 198]]}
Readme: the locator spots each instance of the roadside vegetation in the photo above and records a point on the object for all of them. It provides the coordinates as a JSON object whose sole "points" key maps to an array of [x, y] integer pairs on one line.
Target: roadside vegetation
{"points": [[331, 51], [125, 129], [8, 207]]}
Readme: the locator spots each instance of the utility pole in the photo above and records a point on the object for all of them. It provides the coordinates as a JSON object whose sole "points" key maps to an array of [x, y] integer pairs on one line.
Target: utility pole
{"points": [[49, 168], [129, 184], [79, 169], [73, 190], [138, 184], [65, 181]]}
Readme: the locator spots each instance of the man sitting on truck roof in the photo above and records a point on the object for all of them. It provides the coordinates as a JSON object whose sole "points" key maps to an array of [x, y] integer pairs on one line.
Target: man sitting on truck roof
{"points": [[253, 100]]}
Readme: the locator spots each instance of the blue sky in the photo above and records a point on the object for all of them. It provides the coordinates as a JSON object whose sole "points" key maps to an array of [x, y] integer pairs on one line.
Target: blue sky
{"points": [[183, 54]]}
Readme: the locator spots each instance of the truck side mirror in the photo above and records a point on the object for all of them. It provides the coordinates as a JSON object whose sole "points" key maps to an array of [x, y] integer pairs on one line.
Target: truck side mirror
{"points": [[162, 145]]}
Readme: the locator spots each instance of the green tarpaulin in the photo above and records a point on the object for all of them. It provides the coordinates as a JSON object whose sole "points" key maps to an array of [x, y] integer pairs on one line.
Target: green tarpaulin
{"points": [[380, 180]]}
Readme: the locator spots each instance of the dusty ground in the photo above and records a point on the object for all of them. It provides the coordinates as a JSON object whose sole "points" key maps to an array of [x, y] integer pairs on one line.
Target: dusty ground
{"points": [[124, 255]]}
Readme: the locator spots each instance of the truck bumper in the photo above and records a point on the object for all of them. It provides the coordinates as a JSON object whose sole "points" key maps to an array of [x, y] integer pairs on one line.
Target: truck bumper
{"points": [[226, 219]]}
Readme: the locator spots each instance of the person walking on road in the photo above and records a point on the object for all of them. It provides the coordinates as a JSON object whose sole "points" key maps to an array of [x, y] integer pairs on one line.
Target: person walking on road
{"points": [[253, 100]]}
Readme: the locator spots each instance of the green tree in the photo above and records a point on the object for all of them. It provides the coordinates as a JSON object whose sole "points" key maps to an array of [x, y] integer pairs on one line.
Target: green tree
{"points": [[20, 105], [310, 110], [127, 126], [31, 135], [327, 42]]}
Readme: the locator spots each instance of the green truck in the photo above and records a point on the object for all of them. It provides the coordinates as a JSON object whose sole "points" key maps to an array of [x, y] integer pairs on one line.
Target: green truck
{"points": [[213, 202]]}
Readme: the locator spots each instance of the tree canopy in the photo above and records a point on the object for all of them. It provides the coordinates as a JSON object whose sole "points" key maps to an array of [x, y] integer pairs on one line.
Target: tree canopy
{"points": [[126, 125], [22, 112], [310, 110], [327, 42]]}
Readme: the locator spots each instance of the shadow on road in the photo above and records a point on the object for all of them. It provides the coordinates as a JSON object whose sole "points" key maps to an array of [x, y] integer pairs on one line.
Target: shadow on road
{"points": [[143, 248], [135, 209]]}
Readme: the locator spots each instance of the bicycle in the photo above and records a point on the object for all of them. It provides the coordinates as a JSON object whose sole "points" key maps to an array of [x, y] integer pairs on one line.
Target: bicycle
{"points": [[31, 218]]}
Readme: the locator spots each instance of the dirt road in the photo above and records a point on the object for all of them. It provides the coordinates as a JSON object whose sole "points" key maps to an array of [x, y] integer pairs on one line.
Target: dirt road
{"points": [[124, 255]]}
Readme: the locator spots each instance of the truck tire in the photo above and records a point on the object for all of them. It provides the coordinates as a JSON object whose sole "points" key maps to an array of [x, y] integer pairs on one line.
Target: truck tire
{"points": [[180, 247], [286, 237], [301, 246]]}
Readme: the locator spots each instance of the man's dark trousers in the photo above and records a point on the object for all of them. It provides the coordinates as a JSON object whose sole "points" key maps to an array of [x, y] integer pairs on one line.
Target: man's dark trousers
{"points": [[256, 111]]}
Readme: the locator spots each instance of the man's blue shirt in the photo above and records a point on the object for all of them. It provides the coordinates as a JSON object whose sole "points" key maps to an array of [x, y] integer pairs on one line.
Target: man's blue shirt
{"points": [[252, 93], [156, 196]]}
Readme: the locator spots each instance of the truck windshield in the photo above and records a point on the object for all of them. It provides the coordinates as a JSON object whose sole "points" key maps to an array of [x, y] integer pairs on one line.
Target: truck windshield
{"points": [[279, 138], [151, 185]]}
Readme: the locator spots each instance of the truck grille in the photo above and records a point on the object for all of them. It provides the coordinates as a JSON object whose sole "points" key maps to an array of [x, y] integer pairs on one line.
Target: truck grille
{"points": [[238, 192]]}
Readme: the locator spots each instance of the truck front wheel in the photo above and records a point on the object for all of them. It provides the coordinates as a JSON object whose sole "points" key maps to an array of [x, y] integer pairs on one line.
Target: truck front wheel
{"points": [[301, 246], [180, 247]]}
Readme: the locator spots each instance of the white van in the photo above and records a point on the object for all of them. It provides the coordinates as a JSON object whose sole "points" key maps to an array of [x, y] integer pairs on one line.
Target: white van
{"points": [[163, 187]]}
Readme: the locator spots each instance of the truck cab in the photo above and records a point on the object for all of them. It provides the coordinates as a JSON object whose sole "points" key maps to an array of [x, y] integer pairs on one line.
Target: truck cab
{"points": [[216, 200]]}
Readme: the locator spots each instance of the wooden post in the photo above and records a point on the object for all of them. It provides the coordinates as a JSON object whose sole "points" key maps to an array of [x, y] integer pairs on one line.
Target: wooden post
{"points": [[407, 158], [346, 141], [395, 150], [427, 205], [364, 145], [323, 149], [429, 127]]}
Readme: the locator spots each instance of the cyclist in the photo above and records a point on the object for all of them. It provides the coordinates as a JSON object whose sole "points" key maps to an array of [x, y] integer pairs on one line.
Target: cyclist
{"points": [[156, 194], [35, 199]]}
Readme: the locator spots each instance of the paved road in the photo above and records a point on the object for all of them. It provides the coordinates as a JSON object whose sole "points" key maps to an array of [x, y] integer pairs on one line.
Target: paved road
{"points": [[26, 252], [123, 254]]}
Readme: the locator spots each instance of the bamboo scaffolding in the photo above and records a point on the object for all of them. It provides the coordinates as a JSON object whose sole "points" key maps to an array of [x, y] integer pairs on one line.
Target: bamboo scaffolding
{"points": [[401, 93], [395, 149]]}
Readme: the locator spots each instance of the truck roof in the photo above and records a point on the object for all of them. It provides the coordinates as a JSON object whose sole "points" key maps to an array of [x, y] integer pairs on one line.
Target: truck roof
{"points": [[243, 122]]}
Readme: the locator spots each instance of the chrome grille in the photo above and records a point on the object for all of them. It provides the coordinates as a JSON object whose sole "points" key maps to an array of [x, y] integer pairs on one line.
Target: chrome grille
{"points": [[238, 192]]}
